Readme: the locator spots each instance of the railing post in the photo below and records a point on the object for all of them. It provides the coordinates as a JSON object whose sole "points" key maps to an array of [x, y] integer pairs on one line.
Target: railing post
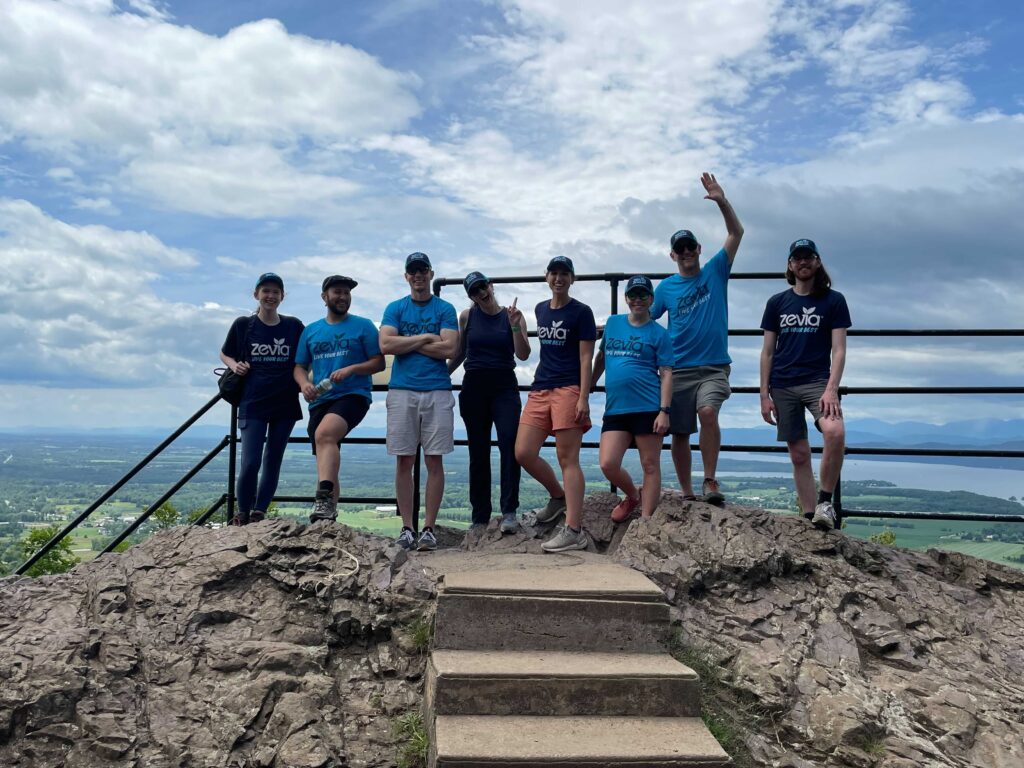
{"points": [[416, 491], [232, 453], [615, 296]]}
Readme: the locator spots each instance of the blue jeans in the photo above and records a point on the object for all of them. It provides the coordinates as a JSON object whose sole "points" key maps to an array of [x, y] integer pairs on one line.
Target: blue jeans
{"points": [[256, 432]]}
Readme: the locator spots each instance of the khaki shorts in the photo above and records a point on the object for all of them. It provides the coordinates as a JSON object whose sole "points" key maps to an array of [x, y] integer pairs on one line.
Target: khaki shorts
{"points": [[553, 410], [790, 403], [693, 388], [420, 419]]}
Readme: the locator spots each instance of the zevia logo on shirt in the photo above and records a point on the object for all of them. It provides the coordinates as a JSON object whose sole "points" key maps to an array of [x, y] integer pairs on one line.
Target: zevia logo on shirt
{"points": [[338, 346], [690, 301], [631, 347], [277, 350], [423, 324], [808, 322], [553, 334]]}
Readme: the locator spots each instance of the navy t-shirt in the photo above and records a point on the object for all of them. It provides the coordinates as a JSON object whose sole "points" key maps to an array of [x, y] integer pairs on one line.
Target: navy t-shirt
{"points": [[489, 344], [560, 332], [270, 390], [803, 350]]}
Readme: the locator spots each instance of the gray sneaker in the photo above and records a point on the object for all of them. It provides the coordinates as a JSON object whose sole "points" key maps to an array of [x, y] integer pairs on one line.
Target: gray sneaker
{"points": [[426, 541], [323, 507], [551, 510], [406, 539], [566, 540], [824, 516], [509, 523]]}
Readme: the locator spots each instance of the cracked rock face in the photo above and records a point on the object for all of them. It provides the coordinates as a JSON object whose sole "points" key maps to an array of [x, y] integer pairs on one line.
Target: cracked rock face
{"points": [[259, 646]]}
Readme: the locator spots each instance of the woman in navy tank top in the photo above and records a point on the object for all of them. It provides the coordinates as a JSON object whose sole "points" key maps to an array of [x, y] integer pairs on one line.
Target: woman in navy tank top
{"points": [[491, 337]]}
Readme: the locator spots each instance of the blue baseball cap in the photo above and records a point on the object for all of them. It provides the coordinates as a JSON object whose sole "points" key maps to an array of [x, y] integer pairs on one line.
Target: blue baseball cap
{"points": [[417, 258], [473, 280], [561, 263], [683, 234], [269, 277], [803, 244], [639, 283]]}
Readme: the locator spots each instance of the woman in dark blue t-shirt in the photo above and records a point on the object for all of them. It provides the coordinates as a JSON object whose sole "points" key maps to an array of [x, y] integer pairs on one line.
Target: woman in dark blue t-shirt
{"points": [[491, 336], [261, 348]]}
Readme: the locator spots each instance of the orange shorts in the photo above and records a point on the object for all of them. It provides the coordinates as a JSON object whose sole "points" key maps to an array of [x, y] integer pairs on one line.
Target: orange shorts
{"points": [[553, 410]]}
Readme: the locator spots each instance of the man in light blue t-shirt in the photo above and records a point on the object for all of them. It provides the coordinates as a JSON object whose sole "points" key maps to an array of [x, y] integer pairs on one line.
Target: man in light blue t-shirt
{"points": [[698, 320], [342, 353], [422, 331]]}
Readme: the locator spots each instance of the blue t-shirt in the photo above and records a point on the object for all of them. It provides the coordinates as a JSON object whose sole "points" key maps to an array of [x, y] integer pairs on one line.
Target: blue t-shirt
{"points": [[632, 356], [270, 391], [560, 332], [698, 313], [326, 347], [803, 349], [414, 370]]}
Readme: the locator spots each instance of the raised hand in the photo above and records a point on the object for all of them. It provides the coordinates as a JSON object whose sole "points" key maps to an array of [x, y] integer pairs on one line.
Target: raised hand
{"points": [[712, 187], [515, 315]]}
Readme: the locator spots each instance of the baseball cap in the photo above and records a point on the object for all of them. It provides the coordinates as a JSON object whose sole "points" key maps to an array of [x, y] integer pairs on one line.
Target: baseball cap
{"points": [[474, 279], [337, 280], [803, 244], [639, 283], [269, 277], [563, 263], [417, 258], [683, 234]]}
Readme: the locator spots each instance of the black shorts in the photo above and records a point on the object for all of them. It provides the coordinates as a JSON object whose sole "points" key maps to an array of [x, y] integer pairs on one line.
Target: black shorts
{"points": [[352, 408], [641, 423]]}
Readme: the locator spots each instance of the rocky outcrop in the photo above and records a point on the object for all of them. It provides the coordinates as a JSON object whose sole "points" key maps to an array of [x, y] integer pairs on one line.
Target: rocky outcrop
{"points": [[280, 644]]}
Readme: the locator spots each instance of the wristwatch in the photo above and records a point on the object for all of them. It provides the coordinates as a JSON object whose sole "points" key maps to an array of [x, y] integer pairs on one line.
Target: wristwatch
{"points": [[666, 409]]}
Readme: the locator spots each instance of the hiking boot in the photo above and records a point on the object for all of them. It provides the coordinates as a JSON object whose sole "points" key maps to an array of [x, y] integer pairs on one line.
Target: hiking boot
{"points": [[257, 517], [426, 541], [711, 492], [624, 509], [824, 516], [551, 510], [509, 523], [406, 539], [323, 507], [566, 540]]}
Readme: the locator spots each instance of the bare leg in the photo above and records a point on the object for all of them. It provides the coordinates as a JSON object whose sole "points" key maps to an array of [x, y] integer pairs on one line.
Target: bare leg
{"points": [[803, 474], [567, 446], [529, 440], [710, 439], [613, 448], [435, 487], [834, 433], [683, 463], [649, 447], [328, 453], [403, 487]]}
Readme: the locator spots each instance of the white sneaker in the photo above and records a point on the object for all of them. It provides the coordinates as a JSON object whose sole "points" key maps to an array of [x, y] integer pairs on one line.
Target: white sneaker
{"points": [[566, 540], [824, 516]]}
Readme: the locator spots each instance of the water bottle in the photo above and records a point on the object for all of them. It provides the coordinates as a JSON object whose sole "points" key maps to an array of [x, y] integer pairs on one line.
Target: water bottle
{"points": [[326, 385]]}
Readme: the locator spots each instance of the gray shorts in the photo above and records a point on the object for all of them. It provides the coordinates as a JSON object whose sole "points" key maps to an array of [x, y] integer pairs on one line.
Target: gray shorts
{"points": [[694, 388], [420, 418], [790, 403]]}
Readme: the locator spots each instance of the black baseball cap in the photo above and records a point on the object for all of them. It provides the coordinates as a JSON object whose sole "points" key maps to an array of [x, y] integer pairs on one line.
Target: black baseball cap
{"points": [[269, 277], [337, 280], [803, 244], [474, 279], [683, 234], [639, 283], [417, 258], [562, 263]]}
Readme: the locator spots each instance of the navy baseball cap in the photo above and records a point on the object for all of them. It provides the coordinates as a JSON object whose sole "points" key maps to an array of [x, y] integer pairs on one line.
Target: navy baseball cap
{"points": [[417, 258], [803, 244], [337, 280], [639, 283], [683, 234], [473, 281], [562, 263], [269, 277]]}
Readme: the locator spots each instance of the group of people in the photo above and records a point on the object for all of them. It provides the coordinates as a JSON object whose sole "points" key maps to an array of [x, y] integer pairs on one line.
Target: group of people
{"points": [[658, 380]]}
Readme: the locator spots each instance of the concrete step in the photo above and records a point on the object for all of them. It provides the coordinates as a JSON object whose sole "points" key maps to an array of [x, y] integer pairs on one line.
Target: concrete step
{"points": [[560, 683], [471, 741], [586, 580]]}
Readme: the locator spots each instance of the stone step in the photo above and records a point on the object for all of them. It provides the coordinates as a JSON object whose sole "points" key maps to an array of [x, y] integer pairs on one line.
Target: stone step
{"points": [[474, 741], [560, 683], [510, 622], [586, 580]]}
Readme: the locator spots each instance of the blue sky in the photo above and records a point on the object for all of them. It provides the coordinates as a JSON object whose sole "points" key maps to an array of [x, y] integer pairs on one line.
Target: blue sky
{"points": [[156, 157]]}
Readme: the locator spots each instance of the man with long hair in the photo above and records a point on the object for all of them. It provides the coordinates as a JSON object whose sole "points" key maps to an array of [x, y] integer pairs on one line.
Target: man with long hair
{"points": [[802, 362]]}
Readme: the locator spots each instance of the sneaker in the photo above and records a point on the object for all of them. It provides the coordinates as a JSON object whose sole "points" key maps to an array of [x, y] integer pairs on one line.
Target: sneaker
{"points": [[509, 523], [553, 509], [624, 509], [240, 518], [711, 492], [566, 540], [426, 541], [824, 516], [323, 507], [406, 539], [257, 517]]}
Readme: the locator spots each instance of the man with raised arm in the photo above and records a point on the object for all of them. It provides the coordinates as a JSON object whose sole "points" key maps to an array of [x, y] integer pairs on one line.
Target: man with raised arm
{"points": [[802, 362], [343, 352], [696, 300], [422, 331]]}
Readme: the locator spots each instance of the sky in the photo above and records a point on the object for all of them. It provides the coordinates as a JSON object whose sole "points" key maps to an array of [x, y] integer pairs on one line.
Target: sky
{"points": [[156, 157]]}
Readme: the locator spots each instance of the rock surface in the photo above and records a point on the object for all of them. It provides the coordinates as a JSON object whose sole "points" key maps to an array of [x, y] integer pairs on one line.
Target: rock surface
{"points": [[280, 644]]}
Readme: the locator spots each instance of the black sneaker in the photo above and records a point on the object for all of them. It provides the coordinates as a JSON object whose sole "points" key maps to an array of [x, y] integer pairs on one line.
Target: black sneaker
{"points": [[712, 493], [324, 507]]}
